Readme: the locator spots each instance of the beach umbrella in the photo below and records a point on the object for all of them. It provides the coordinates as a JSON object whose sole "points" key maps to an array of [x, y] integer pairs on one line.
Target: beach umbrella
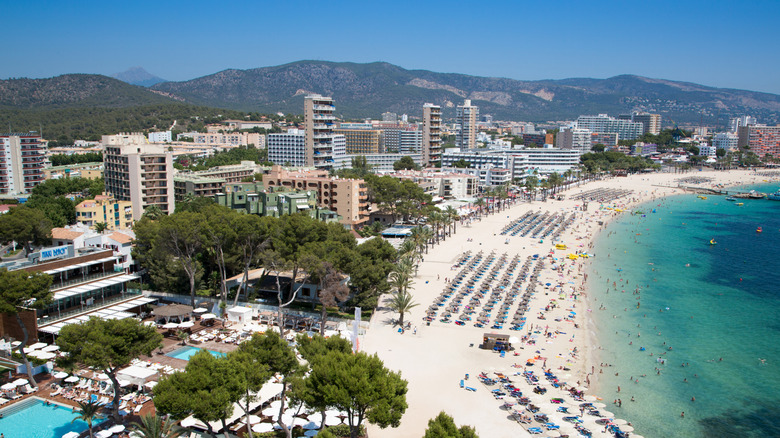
{"points": [[170, 325], [102, 376], [71, 435], [46, 355], [619, 421], [607, 413], [200, 310], [262, 427], [72, 379], [50, 348], [21, 382], [186, 324], [276, 404], [270, 411], [590, 398], [117, 429], [627, 428], [103, 434], [8, 386], [311, 425], [599, 405], [254, 419], [60, 375], [37, 345], [208, 316], [150, 323]]}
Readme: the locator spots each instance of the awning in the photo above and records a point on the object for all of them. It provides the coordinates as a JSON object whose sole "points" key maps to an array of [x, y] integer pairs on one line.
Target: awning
{"points": [[65, 293]]}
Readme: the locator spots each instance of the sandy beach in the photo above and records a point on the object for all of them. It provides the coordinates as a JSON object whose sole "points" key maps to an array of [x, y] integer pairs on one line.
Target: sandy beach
{"points": [[435, 358]]}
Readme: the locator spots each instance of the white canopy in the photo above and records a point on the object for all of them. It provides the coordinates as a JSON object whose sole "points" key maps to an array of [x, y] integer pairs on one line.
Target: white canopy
{"points": [[136, 375], [240, 314]]}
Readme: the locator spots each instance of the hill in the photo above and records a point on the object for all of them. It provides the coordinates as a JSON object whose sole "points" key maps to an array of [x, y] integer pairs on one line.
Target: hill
{"points": [[75, 91], [367, 90], [138, 76]]}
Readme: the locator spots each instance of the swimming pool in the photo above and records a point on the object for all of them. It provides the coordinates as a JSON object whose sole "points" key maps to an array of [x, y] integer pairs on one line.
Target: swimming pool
{"points": [[32, 418], [185, 353]]}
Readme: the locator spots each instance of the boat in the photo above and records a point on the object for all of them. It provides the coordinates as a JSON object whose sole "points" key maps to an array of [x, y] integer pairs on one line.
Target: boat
{"points": [[702, 197], [774, 196], [730, 198], [756, 195], [759, 229], [713, 242]]}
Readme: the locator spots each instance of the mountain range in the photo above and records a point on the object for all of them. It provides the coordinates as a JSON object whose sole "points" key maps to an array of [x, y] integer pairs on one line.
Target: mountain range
{"points": [[368, 90], [138, 76]]}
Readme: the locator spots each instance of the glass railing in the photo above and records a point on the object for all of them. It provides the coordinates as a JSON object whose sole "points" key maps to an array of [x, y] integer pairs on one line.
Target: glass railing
{"points": [[82, 279], [103, 302]]}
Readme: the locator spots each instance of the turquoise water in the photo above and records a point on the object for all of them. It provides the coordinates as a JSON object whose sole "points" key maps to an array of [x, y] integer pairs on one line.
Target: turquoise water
{"points": [[36, 420], [185, 353], [712, 308]]}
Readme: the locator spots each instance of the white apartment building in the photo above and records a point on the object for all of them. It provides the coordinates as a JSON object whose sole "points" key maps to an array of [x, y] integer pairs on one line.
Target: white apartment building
{"points": [[737, 122], [602, 123], [221, 139], [522, 162], [488, 175], [410, 142], [141, 174], [123, 138], [447, 185], [707, 150], [289, 147], [431, 141], [466, 117], [726, 140], [382, 163], [22, 158], [160, 137]]}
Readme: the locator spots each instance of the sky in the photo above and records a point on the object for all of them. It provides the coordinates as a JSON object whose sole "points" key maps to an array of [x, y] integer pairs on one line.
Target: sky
{"points": [[717, 43]]}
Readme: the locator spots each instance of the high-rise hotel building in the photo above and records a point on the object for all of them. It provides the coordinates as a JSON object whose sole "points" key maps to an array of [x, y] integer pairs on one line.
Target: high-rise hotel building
{"points": [[21, 163], [324, 149], [466, 117], [431, 134], [141, 174]]}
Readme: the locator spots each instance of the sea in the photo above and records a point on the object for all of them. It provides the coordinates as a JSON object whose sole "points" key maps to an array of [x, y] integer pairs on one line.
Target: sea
{"points": [[685, 298]]}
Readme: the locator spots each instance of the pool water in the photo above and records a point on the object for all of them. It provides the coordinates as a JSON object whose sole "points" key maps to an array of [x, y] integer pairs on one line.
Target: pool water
{"points": [[185, 353], [33, 419]]}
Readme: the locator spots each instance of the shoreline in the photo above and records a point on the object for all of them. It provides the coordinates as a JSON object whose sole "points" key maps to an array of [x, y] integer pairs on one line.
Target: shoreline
{"points": [[434, 358]]}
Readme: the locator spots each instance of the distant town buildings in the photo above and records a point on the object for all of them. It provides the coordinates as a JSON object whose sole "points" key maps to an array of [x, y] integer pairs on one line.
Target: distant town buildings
{"points": [[738, 122], [521, 162], [602, 123], [726, 140], [81, 170], [22, 158], [362, 141], [247, 124], [431, 134], [225, 139], [466, 117], [574, 138], [761, 139], [160, 137], [651, 123], [139, 173], [445, 184]]}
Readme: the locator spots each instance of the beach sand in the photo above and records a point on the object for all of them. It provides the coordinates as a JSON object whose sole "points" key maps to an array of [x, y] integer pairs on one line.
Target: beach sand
{"points": [[435, 358]]}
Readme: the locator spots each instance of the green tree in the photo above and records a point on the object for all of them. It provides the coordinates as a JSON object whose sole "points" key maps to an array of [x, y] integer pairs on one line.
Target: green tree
{"points": [[182, 236], [206, 389], [273, 351], [361, 386], [360, 166], [245, 363], [155, 426], [443, 426], [332, 291], [720, 152], [88, 412], [402, 302], [101, 226], [253, 235], [598, 147], [21, 290], [405, 163], [108, 345], [368, 271], [25, 225]]}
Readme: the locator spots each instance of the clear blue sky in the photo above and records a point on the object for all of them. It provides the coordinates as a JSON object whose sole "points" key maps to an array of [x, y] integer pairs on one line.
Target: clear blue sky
{"points": [[733, 44]]}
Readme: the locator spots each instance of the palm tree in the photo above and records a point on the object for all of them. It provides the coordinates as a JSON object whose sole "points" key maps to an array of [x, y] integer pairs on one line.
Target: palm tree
{"points": [[100, 227], [434, 220], [446, 221], [479, 203], [88, 412], [401, 302], [155, 426], [453, 215], [408, 248]]}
